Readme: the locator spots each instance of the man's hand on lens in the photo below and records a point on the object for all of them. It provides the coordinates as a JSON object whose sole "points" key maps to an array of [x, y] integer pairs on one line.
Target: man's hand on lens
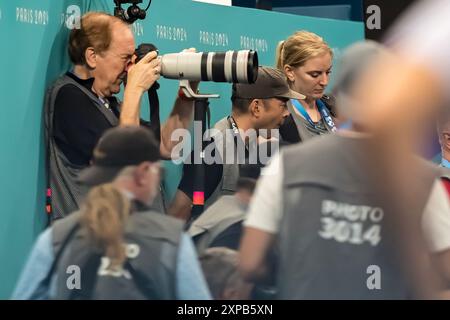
{"points": [[142, 75]]}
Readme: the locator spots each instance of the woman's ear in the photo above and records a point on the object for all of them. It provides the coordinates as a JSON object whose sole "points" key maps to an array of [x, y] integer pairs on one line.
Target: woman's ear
{"points": [[91, 57], [289, 72]]}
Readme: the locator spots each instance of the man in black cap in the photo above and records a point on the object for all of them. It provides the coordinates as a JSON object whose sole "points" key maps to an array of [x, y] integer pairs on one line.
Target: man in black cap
{"points": [[159, 262], [256, 109]]}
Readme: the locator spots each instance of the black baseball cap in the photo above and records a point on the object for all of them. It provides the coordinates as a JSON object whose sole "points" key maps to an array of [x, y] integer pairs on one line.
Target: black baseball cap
{"points": [[118, 148], [271, 83]]}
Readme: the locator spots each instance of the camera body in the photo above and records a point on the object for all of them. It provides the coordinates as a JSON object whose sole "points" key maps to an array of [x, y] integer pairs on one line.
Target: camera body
{"points": [[230, 66]]}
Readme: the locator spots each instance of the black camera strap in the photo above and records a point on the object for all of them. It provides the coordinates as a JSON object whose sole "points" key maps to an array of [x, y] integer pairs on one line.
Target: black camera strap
{"points": [[153, 101]]}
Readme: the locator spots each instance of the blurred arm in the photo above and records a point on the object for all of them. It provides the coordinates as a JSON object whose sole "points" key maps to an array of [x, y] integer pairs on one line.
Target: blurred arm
{"points": [[181, 206], [262, 223], [253, 253], [37, 267], [191, 283], [180, 118]]}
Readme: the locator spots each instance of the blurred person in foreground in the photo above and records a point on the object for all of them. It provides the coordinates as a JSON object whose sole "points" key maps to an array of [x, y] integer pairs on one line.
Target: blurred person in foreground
{"points": [[401, 96], [329, 220]]}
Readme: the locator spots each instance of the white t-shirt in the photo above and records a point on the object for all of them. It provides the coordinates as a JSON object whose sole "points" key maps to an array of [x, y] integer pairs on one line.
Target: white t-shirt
{"points": [[436, 219], [266, 207]]}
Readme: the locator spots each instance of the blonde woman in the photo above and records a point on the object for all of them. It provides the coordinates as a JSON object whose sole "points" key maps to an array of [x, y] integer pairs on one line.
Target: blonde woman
{"points": [[306, 60]]}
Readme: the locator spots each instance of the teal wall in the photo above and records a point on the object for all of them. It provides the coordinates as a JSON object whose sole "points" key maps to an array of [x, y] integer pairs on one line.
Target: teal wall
{"points": [[33, 39]]}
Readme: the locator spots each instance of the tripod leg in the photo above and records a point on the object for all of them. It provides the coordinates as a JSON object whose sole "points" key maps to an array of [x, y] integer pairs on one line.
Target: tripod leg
{"points": [[198, 197]]}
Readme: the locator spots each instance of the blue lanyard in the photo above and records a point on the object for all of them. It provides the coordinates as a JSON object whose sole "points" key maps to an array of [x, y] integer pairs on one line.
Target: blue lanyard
{"points": [[445, 163], [323, 112]]}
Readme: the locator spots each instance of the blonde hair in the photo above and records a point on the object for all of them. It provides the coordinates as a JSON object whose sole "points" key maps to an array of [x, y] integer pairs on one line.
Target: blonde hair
{"points": [[300, 47], [104, 216]]}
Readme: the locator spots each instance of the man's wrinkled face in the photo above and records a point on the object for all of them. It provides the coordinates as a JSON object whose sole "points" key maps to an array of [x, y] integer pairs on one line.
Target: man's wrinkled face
{"points": [[112, 64]]}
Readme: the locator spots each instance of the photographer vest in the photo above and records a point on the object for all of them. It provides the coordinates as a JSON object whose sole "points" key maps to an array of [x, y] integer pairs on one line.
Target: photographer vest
{"points": [[66, 193], [149, 272], [221, 215], [333, 242], [230, 173]]}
